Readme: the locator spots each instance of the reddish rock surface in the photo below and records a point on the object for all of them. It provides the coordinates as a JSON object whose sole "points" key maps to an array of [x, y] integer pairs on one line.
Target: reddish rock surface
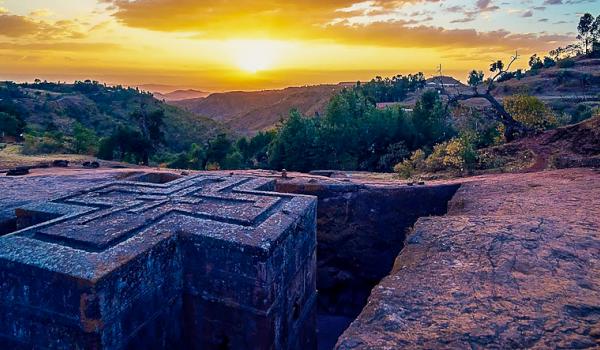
{"points": [[514, 264]]}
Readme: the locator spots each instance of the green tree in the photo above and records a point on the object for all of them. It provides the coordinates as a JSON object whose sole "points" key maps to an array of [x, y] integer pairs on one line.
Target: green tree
{"points": [[396, 153], [431, 121], [255, 151], [535, 62], [293, 148], [11, 125], [475, 78], [181, 161], [218, 149], [497, 66], [125, 144], [106, 148], [586, 28], [232, 161], [85, 140], [549, 62], [196, 157], [150, 125]]}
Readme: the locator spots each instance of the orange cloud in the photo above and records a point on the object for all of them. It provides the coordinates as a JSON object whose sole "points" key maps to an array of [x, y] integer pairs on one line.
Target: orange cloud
{"points": [[15, 26], [315, 20], [59, 47], [399, 34]]}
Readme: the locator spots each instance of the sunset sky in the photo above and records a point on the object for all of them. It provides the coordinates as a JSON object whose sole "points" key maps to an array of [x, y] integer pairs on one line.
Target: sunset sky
{"points": [[255, 44]]}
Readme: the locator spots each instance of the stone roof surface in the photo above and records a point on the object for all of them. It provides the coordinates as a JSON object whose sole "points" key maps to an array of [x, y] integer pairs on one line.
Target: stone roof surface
{"points": [[514, 264], [220, 259]]}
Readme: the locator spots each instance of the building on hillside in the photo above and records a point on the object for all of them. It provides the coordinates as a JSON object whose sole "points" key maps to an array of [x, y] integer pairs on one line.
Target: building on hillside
{"points": [[442, 82]]}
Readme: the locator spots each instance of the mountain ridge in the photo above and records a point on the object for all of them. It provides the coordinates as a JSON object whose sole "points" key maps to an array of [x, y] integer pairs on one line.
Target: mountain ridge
{"points": [[179, 95], [248, 112]]}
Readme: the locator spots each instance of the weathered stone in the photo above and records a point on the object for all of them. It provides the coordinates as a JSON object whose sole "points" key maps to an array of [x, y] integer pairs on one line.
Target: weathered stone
{"points": [[361, 230], [91, 165], [199, 262], [514, 264], [18, 171]]}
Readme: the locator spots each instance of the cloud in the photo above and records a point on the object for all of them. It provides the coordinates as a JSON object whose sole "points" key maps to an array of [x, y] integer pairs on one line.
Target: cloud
{"points": [[397, 34], [486, 5], [374, 22], [59, 47], [41, 13], [15, 26], [182, 15], [527, 14]]}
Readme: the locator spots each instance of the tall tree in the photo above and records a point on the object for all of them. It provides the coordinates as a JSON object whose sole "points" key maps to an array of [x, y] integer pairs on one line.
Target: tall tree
{"points": [[150, 125], [586, 29]]}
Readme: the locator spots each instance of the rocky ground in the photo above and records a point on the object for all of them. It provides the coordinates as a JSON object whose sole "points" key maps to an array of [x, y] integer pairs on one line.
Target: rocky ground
{"points": [[514, 264]]}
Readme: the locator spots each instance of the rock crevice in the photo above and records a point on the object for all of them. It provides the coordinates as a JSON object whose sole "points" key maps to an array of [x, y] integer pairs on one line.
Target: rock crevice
{"points": [[514, 264]]}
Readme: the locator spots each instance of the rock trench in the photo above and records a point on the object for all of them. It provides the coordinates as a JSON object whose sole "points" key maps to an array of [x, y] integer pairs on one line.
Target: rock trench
{"points": [[514, 263], [360, 231]]}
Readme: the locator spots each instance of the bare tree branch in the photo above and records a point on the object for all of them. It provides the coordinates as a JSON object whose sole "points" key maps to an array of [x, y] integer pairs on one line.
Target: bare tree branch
{"points": [[501, 72], [513, 128]]}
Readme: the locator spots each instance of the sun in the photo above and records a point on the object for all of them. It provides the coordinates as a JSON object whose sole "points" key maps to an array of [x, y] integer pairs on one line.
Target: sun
{"points": [[253, 62], [252, 56]]}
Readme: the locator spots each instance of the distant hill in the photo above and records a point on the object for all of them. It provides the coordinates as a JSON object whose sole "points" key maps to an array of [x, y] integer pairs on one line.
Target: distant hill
{"points": [[579, 80], [563, 87], [56, 107], [179, 95], [250, 112]]}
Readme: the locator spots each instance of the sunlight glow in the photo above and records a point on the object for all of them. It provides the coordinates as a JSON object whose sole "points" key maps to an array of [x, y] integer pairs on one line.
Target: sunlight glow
{"points": [[253, 56]]}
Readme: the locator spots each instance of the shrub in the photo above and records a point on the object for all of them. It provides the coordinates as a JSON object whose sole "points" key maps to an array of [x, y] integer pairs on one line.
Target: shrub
{"points": [[233, 161], [519, 74], [213, 166], [408, 167], [581, 113], [85, 140], [535, 63], [530, 111], [549, 62], [180, 162], [455, 155], [505, 77], [396, 153], [42, 145], [566, 63]]}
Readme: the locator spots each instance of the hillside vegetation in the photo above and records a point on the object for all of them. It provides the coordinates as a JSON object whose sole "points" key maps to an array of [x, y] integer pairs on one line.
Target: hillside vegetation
{"points": [[250, 112], [51, 117]]}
